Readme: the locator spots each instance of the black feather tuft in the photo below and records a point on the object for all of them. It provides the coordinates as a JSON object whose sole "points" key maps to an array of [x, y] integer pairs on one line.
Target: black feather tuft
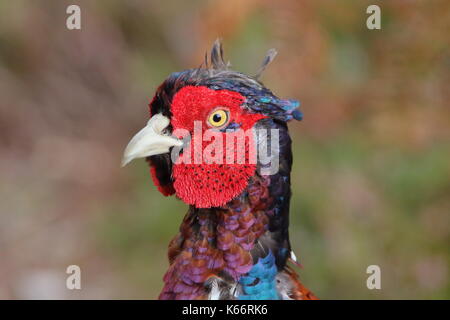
{"points": [[270, 55], [217, 56]]}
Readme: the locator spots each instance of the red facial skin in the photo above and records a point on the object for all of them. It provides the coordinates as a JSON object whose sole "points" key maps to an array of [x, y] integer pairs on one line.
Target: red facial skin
{"points": [[207, 185]]}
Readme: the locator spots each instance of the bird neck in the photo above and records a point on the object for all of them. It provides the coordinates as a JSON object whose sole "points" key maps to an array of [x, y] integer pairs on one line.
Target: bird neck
{"points": [[226, 242]]}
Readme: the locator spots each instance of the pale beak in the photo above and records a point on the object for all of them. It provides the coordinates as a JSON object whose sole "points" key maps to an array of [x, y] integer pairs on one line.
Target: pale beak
{"points": [[150, 140]]}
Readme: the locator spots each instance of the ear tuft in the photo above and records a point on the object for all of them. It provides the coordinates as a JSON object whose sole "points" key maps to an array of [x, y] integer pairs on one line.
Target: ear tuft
{"points": [[270, 55], [217, 56]]}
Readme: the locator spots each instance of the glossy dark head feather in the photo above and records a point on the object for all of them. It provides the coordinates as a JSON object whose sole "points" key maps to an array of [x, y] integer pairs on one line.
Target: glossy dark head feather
{"points": [[218, 76]]}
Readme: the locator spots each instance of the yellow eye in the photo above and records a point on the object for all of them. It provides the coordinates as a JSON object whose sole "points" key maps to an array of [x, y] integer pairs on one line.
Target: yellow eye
{"points": [[218, 118]]}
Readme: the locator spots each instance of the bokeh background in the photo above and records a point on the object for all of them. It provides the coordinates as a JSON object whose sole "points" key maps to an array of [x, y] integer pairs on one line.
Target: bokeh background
{"points": [[371, 178]]}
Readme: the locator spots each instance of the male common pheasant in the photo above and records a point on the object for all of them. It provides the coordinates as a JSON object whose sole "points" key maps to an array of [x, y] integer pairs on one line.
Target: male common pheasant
{"points": [[233, 242]]}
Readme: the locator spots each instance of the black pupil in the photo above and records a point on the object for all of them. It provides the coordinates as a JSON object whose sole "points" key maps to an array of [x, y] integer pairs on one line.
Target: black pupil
{"points": [[217, 117]]}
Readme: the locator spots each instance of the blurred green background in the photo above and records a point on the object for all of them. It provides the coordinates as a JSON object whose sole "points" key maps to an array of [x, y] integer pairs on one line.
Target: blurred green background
{"points": [[371, 176]]}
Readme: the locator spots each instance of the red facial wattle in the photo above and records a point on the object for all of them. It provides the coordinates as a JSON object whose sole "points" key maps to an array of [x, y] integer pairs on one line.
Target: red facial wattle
{"points": [[203, 184]]}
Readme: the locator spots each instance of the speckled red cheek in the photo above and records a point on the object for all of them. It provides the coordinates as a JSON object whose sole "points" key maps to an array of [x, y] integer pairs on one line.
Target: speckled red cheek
{"points": [[212, 185], [208, 185]]}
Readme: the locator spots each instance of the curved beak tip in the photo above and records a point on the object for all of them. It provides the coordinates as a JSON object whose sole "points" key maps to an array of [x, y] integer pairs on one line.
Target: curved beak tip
{"points": [[150, 140]]}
